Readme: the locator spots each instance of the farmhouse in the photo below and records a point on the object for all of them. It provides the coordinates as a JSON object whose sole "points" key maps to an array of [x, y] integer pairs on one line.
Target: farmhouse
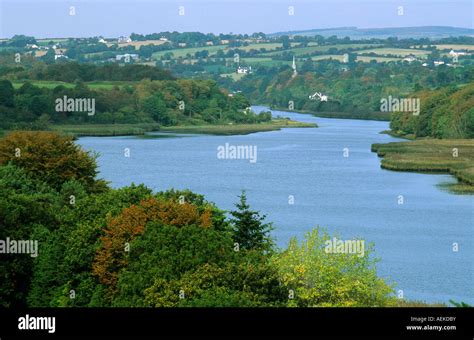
{"points": [[454, 53], [244, 70], [127, 57], [410, 58], [58, 54], [123, 40]]}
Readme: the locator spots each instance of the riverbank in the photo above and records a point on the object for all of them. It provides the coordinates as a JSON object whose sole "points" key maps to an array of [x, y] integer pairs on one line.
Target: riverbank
{"points": [[238, 129], [110, 130], [379, 116], [105, 130], [452, 156]]}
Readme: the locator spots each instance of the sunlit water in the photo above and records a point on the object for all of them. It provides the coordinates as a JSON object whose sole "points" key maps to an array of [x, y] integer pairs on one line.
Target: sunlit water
{"points": [[350, 196]]}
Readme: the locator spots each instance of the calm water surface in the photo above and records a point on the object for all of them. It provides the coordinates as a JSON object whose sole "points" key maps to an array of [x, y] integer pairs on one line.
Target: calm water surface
{"points": [[351, 196]]}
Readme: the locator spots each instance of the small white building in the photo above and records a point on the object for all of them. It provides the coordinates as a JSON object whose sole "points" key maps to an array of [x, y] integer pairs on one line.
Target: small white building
{"points": [[438, 62], [58, 54], [102, 40], [410, 58], [454, 53], [127, 57], [182, 44], [163, 39], [123, 40], [209, 43], [244, 70], [318, 95], [32, 46]]}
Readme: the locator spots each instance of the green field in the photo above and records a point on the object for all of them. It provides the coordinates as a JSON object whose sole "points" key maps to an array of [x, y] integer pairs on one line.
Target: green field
{"points": [[366, 59], [402, 52], [432, 155], [182, 52], [455, 47], [324, 48], [52, 84]]}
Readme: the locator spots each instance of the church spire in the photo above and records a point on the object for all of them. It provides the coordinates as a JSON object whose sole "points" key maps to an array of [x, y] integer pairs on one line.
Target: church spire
{"points": [[293, 66]]}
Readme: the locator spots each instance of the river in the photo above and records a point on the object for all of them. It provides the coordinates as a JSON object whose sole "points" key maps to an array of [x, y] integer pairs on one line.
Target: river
{"points": [[333, 180]]}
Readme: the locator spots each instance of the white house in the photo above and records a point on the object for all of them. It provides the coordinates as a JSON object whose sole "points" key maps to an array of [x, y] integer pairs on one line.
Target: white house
{"points": [[58, 54], [454, 53], [182, 44], [209, 43], [163, 39], [32, 46], [320, 96], [437, 63], [126, 56], [410, 58], [123, 40], [102, 40], [244, 70]]}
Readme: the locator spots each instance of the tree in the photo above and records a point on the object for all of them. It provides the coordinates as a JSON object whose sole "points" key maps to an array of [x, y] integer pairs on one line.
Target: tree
{"points": [[51, 158], [318, 278], [249, 231], [6, 93]]}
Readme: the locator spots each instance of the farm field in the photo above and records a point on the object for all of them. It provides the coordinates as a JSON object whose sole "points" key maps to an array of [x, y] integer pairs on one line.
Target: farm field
{"points": [[53, 84], [455, 47], [311, 49], [138, 44], [367, 59], [403, 52], [182, 52]]}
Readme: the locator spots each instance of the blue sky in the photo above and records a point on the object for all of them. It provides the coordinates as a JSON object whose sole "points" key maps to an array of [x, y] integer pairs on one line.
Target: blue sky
{"points": [[113, 18]]}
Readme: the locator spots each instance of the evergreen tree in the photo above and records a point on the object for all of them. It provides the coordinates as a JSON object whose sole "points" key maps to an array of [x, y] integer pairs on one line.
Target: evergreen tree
{"points": [[249, 231]]}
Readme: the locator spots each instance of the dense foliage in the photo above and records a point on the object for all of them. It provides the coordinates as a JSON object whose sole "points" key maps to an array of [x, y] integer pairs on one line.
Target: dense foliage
{"points": [[133, 247], [167, 102], [354, 89], [445, 113]]}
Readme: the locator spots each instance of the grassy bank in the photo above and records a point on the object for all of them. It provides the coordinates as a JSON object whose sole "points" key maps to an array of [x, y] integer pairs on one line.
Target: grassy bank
{"points": [[237, 129], [432, 155], [103, 130], [108, 130], [381, 116]]}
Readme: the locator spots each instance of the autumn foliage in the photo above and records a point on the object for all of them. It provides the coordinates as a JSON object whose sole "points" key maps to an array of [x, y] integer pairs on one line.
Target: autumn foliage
{"points": [[122, 229], [48, 156]]}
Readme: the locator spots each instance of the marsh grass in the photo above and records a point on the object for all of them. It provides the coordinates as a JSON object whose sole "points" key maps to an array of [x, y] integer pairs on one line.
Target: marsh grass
{"points": [[432, 156], [103, 130], [237, 129]]}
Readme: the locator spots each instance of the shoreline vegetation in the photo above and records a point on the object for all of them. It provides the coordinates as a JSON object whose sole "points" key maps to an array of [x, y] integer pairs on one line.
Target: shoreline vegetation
{"points": [[110, 130], [378, 116], [442, 156], [238, 129]]}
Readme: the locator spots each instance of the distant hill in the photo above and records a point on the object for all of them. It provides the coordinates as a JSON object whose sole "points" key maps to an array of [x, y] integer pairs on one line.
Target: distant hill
{"points": [[432, 32]]}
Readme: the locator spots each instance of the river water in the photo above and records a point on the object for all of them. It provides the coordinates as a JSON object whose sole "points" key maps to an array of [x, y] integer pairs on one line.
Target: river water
{"points": [[327, 176]]}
